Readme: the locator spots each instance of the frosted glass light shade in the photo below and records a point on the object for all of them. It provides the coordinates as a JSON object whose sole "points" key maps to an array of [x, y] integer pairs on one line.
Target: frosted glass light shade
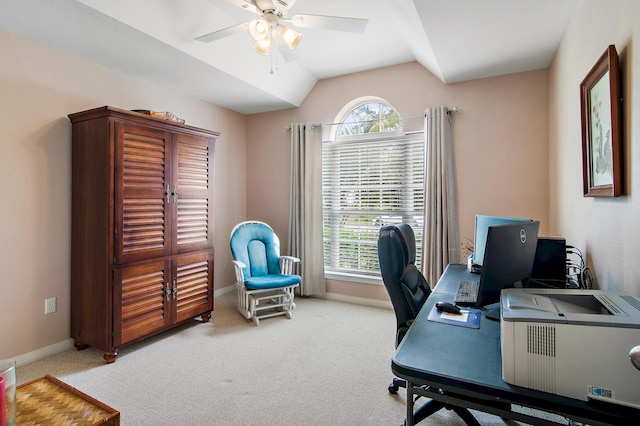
{"points": [[259, 29], [262, 46], [290, 37]]}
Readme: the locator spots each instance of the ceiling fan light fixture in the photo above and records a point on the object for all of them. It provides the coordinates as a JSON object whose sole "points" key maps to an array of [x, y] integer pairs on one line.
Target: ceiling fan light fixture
{"points": [[259, 29], [290, 37], [262, 46]]}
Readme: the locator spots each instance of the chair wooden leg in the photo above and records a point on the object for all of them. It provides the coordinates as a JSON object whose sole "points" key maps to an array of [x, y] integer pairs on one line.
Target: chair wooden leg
{"points": [[258, 304]]}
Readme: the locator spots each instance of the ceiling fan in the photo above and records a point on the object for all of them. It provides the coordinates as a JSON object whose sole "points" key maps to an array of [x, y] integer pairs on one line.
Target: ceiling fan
{"points": [[270, 26]]}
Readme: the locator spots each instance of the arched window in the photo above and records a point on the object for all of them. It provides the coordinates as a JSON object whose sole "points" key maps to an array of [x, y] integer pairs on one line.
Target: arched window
{"points": [[372, 175], [370, 117]]}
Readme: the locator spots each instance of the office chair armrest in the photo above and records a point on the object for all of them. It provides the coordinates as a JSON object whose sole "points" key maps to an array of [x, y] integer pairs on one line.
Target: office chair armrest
{"points": [[238, 266], [286, 264]]}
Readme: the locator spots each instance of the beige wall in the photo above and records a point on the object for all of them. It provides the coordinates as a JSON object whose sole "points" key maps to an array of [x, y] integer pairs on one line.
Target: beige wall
{"points": [[516, 138], [606, 230], [38, 88], [500, 137]]}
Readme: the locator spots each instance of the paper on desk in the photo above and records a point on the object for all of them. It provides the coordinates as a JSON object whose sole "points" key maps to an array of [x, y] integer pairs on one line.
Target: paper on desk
{"points": [[463, 316]]}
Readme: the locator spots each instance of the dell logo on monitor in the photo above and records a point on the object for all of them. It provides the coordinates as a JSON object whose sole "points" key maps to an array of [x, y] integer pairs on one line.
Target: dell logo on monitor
{"points": [[523, 236]]}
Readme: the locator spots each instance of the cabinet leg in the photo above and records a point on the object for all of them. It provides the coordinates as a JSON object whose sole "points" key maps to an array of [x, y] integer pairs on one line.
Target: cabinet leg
{"points": [[110, 357], [206, 317], [80, 346]]}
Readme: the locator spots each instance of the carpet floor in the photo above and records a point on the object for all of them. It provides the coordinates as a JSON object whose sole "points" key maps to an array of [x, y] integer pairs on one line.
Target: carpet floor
{"points": [[329, 365]]}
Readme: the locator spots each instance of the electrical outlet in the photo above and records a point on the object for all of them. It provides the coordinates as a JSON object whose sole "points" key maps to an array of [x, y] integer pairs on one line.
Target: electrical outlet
{"points": [[50, 305]]}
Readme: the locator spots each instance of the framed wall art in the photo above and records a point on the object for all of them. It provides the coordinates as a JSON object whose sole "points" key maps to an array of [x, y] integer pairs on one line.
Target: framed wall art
{"points": [[601, 127]]}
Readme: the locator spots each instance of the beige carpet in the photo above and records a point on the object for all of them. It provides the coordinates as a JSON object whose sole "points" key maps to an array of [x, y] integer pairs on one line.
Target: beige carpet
{"points": [[329, 365]]}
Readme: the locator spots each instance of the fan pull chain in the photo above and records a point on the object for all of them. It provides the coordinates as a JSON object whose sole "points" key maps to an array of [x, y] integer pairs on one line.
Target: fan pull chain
{"points": [[272, 55], [274, 62]]}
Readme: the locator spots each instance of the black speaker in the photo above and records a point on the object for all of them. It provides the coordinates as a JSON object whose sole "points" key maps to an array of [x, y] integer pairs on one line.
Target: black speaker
{"points": [[550, 263]]}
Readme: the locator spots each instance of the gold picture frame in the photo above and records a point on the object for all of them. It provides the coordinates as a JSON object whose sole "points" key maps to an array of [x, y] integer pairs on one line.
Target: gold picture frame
{"points": [[601, 127]]}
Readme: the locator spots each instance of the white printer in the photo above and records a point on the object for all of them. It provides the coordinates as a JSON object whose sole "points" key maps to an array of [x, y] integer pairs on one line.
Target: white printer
{"points": [[574, 343]]}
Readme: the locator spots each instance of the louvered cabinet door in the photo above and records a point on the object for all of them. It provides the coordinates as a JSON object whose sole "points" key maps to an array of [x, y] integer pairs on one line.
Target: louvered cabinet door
{"points": [[192, 184], [142, 197], [142, 302], [193, 275]]}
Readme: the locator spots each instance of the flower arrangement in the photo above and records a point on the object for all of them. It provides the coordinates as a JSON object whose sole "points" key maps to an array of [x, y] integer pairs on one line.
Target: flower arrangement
{"points": [[466, 248]]}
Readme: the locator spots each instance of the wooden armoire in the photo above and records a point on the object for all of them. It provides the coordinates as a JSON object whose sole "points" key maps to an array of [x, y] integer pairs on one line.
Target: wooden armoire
{"points": [[142, 226]]}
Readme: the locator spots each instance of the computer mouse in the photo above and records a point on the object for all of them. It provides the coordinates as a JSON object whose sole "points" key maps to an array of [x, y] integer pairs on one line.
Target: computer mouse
{"points": [[447, 307]]}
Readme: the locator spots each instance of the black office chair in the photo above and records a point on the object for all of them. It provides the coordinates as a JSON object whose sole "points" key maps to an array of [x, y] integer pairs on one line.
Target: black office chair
{"points": [[408, 290]]}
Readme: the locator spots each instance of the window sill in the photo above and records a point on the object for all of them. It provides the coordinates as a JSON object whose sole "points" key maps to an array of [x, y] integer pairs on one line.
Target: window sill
{"points": [[355, 278]]}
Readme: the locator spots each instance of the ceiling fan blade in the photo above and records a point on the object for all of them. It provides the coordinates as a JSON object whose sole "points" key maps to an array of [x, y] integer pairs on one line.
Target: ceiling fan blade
{"points": [[335, 23], [246, 5], [217, 35]]}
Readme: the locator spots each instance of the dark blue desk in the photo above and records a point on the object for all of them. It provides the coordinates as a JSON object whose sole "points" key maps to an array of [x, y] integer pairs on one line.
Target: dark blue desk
{"points": [[463, 366]]}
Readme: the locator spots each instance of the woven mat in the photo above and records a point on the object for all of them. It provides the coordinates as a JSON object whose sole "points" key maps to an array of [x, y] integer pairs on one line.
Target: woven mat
{"points": [[45, 402]]}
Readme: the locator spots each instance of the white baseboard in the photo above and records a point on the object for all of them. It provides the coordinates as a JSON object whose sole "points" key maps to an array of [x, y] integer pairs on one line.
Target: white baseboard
{"points": [[359, 300], [224, 291], [43, 353]]}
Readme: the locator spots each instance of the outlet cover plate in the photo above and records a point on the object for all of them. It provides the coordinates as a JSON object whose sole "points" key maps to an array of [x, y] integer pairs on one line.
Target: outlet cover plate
{"points": [[50, 305]]}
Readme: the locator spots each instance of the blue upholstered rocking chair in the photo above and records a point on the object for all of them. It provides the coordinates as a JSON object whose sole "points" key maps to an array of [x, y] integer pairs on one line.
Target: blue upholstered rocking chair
{"points": [[264, 279]]}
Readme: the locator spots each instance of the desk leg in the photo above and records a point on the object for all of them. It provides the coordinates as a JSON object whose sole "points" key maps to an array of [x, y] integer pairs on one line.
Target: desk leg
{"points": [[409, 421]]}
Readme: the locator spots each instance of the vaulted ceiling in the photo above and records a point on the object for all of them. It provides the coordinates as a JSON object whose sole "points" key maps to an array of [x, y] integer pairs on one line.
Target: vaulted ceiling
{"points": [[456, 40]]}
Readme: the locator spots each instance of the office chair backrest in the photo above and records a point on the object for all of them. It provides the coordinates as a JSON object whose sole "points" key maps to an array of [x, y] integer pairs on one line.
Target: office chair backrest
{"points": [[256, 245], [405, 284]]}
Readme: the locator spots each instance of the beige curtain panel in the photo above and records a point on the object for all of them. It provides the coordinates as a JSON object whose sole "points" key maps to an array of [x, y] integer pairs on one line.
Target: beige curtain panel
{"points": [[305, 209], [440, 242]]}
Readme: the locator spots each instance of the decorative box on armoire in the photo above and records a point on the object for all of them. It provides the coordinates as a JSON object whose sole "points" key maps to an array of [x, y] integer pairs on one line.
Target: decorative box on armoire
{"points": [[142, 226]]}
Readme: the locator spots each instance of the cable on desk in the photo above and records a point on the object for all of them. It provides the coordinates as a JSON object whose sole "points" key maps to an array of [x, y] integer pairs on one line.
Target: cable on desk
{"points": [[578, 274]]}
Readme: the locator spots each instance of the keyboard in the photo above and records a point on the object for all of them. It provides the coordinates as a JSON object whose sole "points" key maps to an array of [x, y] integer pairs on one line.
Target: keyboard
{"points": [[467, 292]]}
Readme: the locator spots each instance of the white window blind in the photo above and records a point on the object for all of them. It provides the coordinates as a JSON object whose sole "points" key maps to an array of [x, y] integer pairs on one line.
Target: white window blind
{"points": [[367, 182]]}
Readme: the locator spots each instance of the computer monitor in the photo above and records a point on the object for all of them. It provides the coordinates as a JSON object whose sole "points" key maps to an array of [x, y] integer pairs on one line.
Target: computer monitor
{"points": [[550, 264], [483, 222], [508, 259]]}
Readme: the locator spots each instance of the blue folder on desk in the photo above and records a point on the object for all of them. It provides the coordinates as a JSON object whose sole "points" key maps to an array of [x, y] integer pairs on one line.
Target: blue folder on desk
{"points": [[470, 317]]}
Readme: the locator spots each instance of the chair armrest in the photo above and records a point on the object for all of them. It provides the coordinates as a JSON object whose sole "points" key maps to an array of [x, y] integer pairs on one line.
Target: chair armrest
{"points": [[286, 264], [238, 266]]}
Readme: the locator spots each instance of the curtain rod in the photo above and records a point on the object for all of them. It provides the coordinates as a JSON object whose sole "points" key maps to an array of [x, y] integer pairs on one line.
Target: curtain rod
{"points": [[450, 110], [314, 125]]}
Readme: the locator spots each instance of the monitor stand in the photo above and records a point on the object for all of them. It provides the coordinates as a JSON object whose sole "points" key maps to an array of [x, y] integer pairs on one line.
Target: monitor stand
{"points": [[493, 311]]}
